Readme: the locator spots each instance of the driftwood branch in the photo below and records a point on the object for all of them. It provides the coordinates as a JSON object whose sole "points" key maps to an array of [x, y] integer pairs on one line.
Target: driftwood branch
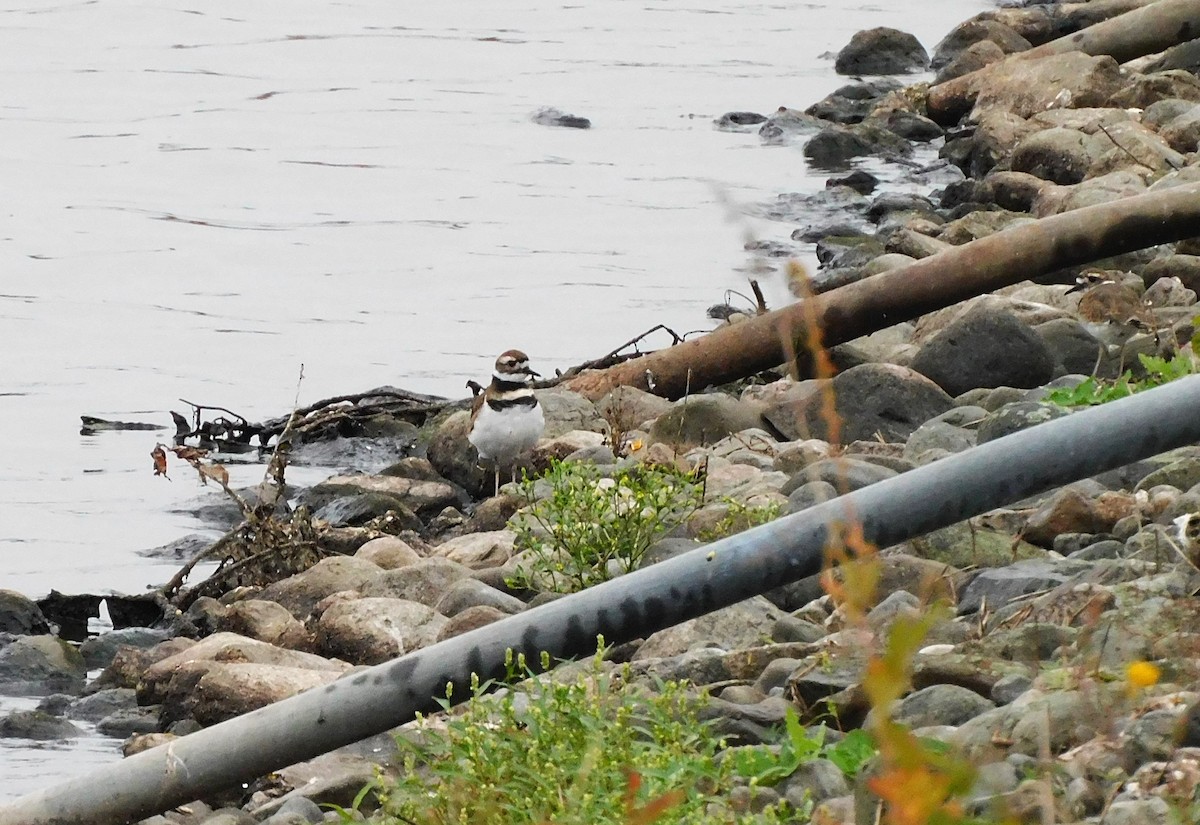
{"points": [[1007, 257], [614, 356]]}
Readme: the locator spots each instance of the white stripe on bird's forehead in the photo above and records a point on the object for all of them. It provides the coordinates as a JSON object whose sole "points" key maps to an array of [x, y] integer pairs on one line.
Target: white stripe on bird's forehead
{"points": [[512, 377]]}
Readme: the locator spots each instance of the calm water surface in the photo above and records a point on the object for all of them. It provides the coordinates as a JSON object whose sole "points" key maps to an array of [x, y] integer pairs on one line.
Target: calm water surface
{"points": [[203, 197]]}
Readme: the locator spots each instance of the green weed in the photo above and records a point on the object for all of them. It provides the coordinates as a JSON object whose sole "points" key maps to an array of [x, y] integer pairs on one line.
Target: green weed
{"points": [[1093, 391], [588, 750], [591, 527], [741, 516]]}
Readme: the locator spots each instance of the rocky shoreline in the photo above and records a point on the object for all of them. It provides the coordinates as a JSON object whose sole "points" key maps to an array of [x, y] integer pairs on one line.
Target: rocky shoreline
{"points": [[1053, 600]]}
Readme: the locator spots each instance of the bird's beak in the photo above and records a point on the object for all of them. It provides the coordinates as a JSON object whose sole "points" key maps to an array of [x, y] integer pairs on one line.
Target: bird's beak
{"points": [[532, 374]]}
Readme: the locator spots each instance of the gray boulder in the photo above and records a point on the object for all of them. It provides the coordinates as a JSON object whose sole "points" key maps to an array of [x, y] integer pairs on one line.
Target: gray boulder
{"points": [[424, 582], [962, 36], [844, 474], [744, 624], [470, 592], [941, 705], [36, 724], [95, 707], [1057, 155], [39, 665], [704, 419], [1018, 416], [881, 50], [997, 586], [872, 400], [20, 615], [98, 652], [122, 724], [985, 347], [835, 146], [301, 592], [373, 630]]}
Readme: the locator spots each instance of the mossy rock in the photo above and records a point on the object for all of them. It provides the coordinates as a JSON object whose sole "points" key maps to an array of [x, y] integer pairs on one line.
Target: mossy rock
{"points": [[961, 546]]}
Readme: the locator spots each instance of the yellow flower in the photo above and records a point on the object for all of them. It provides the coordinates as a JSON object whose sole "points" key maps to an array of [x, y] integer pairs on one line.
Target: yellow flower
{"points": [[1142, 674]]}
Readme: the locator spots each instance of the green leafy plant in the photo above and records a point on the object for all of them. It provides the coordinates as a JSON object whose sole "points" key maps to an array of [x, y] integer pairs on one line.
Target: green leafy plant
{"points": [[1158, 371], [589, 749], [591, 527], [741, 516], [767, 766]]}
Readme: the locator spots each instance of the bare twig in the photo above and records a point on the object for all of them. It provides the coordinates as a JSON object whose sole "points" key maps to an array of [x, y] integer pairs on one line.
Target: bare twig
{"points": [[614, 356], [760, 301]]}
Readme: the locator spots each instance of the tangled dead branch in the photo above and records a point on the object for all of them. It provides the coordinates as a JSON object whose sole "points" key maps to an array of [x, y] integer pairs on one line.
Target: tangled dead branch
{"points": [[271, 542]]}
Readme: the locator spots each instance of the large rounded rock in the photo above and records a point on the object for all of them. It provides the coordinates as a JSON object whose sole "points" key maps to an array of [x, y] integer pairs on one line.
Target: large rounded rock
{"points": [[565, 411], [971, 59], [628, 408], [102, 703], [845, 474], [229, 689], [1027, 87], [704, 419], [835, 146], [1058, 155], [465, 594], [870, 400], [453, 456], [373, 630], [964, 35], [1182, 133], [1142, 90], [478, 550], [20, 615], [985, 347], [424, 497], [160, 679], [881, 51], [941, 705], [1075, 349], [744, 624], [98, 652], [388, 552], [424, 582], [129, 663], [1018, 416], [36, 724], [263, 620], [39, 665], [470, 619], [301, 592]]}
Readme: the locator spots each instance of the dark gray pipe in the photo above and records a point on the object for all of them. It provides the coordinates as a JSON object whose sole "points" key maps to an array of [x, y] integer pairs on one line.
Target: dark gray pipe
{"points": [[930, 497]]}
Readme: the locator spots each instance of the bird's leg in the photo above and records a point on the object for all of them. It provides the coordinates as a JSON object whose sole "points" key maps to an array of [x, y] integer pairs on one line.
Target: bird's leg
{"points": [[497, 479], [1100, 353]]}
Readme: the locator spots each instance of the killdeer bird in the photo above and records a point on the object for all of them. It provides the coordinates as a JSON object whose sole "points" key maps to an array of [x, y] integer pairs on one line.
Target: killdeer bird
{"points": [[506, 419], [1112, 313]]}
